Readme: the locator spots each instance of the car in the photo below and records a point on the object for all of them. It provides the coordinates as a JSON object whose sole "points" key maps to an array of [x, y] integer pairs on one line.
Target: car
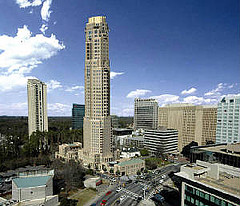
{"points": [[161, 181], [118, 189], [103, 202], [109, 192], [122, 198], [163, 176]]}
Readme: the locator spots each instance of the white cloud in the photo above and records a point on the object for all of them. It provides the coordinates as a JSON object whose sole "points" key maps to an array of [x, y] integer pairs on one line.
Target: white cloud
{"points": [[20, 54], [190, 91], [74, 88], [13, 109], [45, 11], [199, 100], [25, 50], [28, 3], [166, 99], [231, 86], [127, 112], [138, 93], [59, 109], [114, 74], [53, 84], [12, 81], [217, 91], [44, 28]]}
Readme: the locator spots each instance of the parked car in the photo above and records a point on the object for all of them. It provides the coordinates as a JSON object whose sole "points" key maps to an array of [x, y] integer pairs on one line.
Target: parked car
{"points": [[103, 202], [109, 192], [118, 189]]}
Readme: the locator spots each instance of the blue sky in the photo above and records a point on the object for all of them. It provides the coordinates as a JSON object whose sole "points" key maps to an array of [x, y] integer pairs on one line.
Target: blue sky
{"points": [[174, 51]]}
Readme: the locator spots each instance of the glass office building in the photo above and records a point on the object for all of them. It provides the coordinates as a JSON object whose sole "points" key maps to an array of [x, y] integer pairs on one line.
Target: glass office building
{"points": [[78, 112]]}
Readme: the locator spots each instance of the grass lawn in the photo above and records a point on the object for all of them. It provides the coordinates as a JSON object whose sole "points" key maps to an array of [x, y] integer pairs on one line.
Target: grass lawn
{"points": [[84, 196]]}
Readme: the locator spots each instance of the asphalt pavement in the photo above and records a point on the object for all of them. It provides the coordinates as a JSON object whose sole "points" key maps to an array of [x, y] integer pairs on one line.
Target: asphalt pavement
{"points": [[132, 192]]}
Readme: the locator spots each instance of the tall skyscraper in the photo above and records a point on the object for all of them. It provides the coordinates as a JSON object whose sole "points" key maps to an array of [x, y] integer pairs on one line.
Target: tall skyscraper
{"points": [[228, 123], [97, 132], [78, 112], [37, 106], [145, 113], [194, 123]]}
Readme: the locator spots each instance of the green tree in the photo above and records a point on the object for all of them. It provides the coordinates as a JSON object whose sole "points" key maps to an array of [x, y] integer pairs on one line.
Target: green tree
{"points": [[111, 171], [144, 152], [138, 173], [117, 172]]}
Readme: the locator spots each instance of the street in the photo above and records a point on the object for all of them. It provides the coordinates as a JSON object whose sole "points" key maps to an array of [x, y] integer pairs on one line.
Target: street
{"points": [[132, 193]]}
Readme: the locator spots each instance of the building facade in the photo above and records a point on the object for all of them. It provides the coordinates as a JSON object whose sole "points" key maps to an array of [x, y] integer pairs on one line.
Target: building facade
{"points": [[130, 167], [161, 141], [128, 141], [145, 114], [228, 123], [68, 151], [78, 112], [209, 184], [37, 106], [97, 131], [193, 123], [34, 189]]}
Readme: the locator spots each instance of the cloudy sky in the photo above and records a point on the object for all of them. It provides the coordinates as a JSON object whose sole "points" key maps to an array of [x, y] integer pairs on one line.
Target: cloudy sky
{"points": [[174, 51]]}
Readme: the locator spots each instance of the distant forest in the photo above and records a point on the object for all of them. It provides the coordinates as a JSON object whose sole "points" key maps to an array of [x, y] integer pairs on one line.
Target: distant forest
{"points": [[18, 125]]}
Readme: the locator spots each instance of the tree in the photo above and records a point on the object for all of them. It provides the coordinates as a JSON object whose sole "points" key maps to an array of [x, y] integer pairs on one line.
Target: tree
{"points": [[144, 152], [104, 168], [117, 172], [138, 173], [186, 149], [111, 171]]}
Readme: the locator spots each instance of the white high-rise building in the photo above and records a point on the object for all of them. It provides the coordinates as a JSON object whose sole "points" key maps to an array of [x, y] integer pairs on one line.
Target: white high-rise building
{"points": [[37, 106], [145, 114], [228, 123], [97, 131]]}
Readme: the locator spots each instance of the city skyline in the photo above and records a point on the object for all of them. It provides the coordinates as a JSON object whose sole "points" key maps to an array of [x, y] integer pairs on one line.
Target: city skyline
{"points": [[162, 44]]}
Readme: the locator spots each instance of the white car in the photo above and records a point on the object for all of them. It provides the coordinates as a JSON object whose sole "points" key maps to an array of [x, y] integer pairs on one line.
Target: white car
{"points": [[118, 189], [163, 176], [161, 181], [122, 198]]}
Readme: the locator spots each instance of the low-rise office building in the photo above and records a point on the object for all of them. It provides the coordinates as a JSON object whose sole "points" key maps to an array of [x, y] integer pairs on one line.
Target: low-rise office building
{"points": [[130, 167], [130, 152], [126, 141], [161, 141], [222, 153], [35, 189], [92, 182], [204, 184], [68, 151]]}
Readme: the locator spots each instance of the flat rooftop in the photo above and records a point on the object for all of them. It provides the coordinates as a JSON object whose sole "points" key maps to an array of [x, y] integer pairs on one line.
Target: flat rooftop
{"points": [[130, 162], [221, 148], [194, 167], [226, 182]]}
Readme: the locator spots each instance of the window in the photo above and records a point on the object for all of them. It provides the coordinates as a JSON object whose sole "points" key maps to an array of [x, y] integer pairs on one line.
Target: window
{"points": [[206, 196], [212, 199]]}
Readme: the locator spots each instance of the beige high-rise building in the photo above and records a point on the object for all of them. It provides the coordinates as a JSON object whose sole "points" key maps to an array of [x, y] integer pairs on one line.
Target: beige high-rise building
{"points": [[194, 123], [37, 106], [97, 131]]}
